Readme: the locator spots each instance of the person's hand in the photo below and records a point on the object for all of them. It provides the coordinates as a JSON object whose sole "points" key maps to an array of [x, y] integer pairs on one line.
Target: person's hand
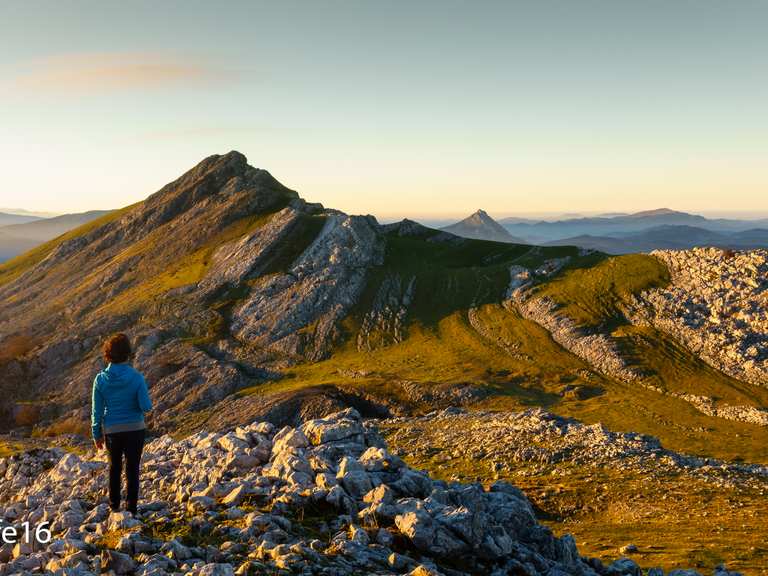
{"points": [[99, 443]]}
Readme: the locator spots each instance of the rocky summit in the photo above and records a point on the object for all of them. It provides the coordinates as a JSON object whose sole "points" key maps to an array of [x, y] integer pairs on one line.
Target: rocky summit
{"points": [[324, 498]]}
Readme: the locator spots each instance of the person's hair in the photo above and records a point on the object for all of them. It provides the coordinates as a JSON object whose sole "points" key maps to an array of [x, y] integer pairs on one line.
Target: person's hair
{"points": [[117, 349]]}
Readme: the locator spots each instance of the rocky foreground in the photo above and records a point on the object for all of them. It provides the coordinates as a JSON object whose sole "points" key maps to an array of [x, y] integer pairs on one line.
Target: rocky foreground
{"points": [[324, 498]]}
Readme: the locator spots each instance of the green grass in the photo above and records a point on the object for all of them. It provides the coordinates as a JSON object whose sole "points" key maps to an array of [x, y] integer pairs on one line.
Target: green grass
{"points": [[8, 448], [594, 295], [668, 365], [452, 277], [441, 347]]}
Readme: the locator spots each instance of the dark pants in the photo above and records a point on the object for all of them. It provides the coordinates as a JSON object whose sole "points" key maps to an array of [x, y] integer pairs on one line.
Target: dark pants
{"points": [[130, 445]]}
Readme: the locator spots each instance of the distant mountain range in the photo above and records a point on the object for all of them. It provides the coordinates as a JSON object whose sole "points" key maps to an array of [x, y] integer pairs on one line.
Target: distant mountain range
{"points": [[668, 237], [480, 226], [19, 233], [614, 233], [620, 233], [7, 219]]}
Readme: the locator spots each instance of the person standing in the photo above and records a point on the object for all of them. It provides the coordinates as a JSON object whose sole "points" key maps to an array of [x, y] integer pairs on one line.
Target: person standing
{"points": [[120, 399]]}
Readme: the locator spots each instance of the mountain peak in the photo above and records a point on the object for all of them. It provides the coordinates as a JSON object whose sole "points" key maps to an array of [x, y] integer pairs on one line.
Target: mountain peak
{"points": [[219, 175], [481, 226], [232, 159]]}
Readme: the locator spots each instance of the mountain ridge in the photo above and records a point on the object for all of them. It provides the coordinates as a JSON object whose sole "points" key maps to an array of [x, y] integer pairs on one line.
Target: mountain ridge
{"points": [[16, 239], [7, 218], [668, 236], [560, 232]]}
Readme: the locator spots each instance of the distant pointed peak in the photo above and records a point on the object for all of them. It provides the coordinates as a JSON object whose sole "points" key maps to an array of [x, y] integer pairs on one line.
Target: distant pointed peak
{"points": [[482, 226], [479, 216]]}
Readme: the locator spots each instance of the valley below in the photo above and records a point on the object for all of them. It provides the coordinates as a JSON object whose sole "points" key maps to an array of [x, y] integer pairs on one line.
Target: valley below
{"points": [[626, 396]]}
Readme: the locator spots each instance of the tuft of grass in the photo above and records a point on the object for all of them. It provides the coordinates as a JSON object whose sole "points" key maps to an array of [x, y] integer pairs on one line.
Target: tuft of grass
{"points": [[181, 528], [9, 448], [70, 425], [110, 539]]}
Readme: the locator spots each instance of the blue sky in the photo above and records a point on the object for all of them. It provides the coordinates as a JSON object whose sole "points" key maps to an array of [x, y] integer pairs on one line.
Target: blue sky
{"points": [[391, 108]]}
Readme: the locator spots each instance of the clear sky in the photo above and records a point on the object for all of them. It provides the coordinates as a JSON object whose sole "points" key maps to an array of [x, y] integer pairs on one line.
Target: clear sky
{"points": [[409, 108]]}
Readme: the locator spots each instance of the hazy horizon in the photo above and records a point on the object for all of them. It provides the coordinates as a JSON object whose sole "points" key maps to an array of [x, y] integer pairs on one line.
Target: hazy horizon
{"points": [[448, 217], [391, 108]]}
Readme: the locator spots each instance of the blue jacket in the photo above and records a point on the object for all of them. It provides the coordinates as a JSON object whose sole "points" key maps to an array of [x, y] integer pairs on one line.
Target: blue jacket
{"points": [[120, 396]]}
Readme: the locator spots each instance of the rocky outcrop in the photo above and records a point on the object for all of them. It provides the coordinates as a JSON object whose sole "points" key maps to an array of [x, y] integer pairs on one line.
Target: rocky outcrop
{"points": [[597, 349], [710, 407], [240, 259], [666, 309], [504, 440], [253, 488], [385, 323], [716, 305], [326, 497], [297, 313]]}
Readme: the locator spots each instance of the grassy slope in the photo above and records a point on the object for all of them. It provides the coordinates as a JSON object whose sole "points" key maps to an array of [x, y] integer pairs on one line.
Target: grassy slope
{"points": [[188, 270], [593, 296], [442, 348]]}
